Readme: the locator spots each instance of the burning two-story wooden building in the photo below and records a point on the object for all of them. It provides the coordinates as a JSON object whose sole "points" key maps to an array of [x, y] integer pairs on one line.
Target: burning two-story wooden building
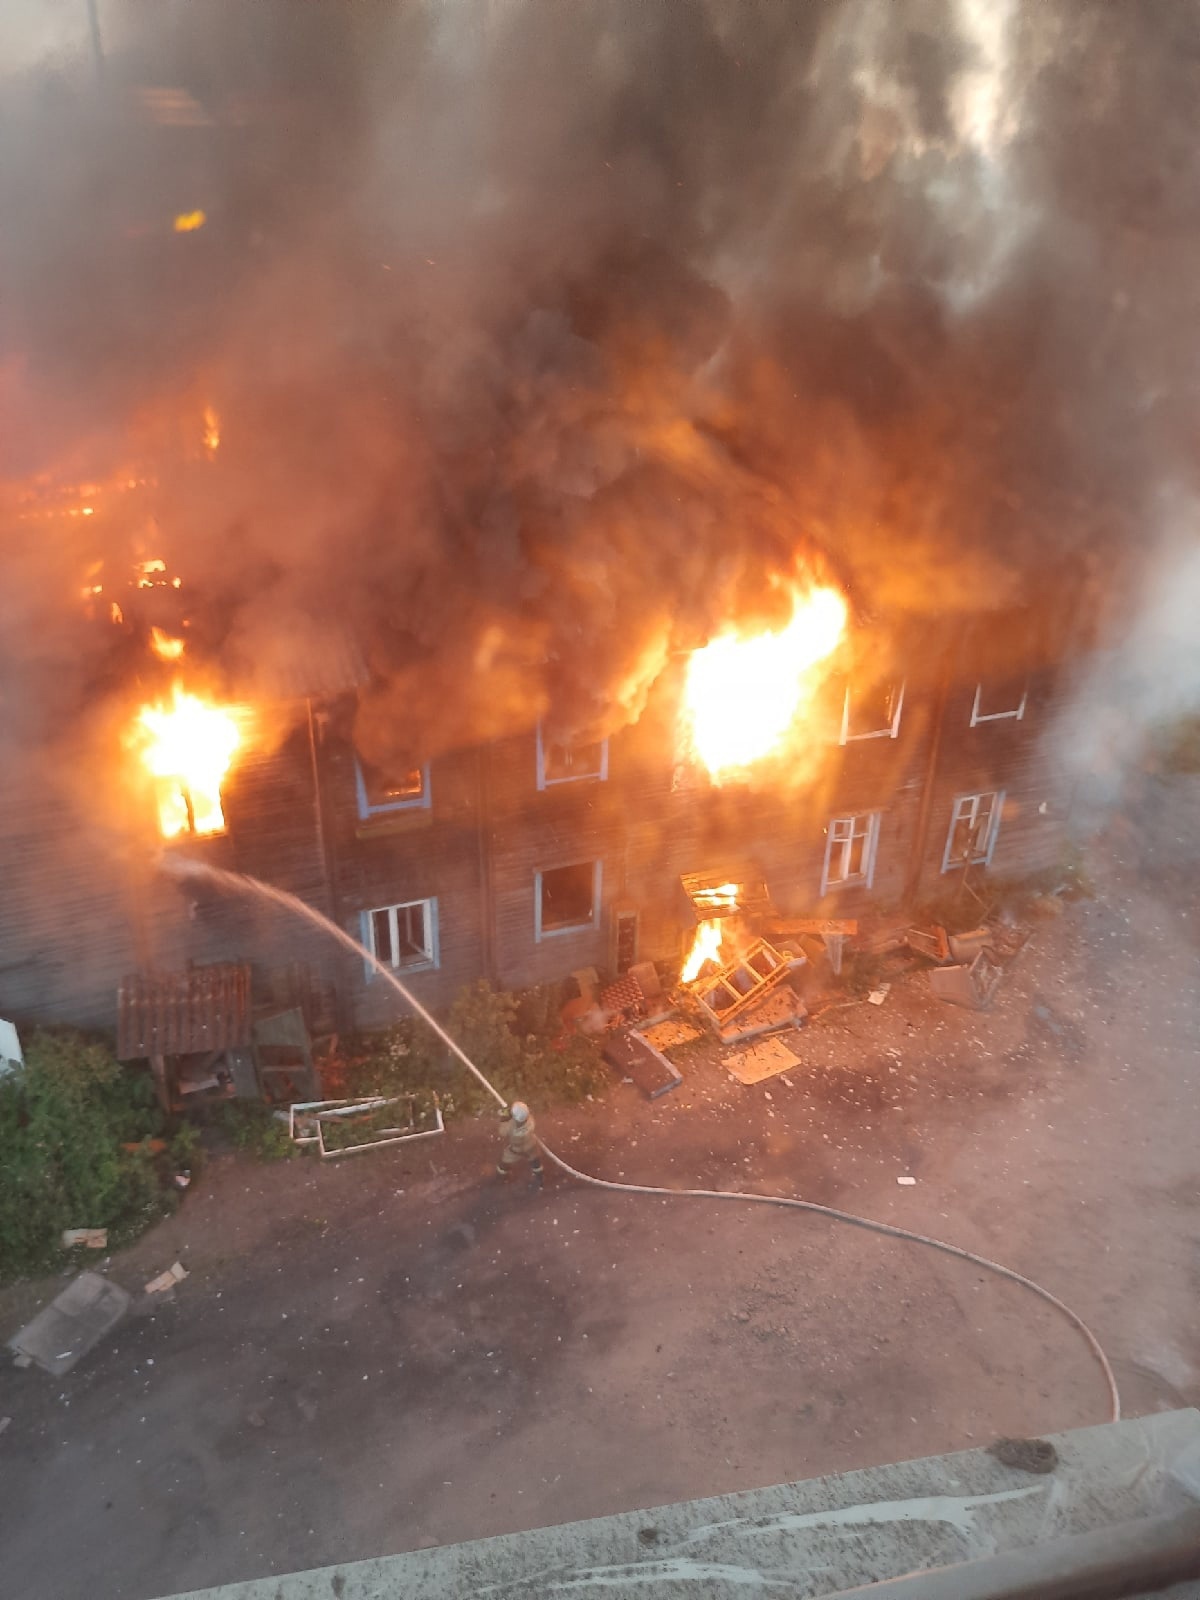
{"points": [[528, 857]]}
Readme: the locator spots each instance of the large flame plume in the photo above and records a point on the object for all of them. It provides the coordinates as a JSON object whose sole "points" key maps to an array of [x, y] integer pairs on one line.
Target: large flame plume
{"points": [[744, 692], [188, 747]]}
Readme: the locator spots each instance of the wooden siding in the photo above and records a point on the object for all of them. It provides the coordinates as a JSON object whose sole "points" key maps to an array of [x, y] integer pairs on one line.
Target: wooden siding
{"points": [[420, 853], [83, 903]]}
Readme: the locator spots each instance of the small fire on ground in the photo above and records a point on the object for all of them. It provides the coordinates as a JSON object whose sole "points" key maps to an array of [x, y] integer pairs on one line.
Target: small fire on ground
{"points": [[706, 947], [188, 746], [745, 691]]}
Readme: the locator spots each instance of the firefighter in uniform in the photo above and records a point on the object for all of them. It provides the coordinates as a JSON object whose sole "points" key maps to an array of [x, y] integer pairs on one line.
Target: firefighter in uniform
{"points": [[520, 1144]]}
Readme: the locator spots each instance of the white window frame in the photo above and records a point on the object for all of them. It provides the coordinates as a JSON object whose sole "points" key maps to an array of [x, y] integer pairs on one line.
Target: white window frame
{"points": [[978, 716], [965, 804], [892, 731], [433, 955], [540, 933], [420, 802], [840, 833], [545, 782]]}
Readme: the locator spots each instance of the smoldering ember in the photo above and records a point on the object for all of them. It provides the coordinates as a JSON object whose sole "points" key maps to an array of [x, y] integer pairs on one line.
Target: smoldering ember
{"points": [[635, 559]]}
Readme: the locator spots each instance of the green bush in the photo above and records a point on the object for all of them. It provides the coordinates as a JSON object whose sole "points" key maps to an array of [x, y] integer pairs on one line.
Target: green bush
{"points": [[64, 1117], [253, 1127], [492, 1027]]}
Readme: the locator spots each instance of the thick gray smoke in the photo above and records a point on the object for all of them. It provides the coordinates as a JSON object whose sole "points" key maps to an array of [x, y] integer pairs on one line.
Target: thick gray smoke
{"points": [[541, 335]]}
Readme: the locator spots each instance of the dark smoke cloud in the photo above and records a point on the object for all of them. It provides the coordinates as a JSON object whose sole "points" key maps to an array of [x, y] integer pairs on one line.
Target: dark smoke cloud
{"points": [[541, 336]]}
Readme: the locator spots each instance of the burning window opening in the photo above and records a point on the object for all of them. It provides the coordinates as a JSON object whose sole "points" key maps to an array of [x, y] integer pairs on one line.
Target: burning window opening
{"points": [[744, 692], [850, 850], [188, 748], [403, 936], [570, 763], [1016, 712], [872, 713], [719, 901], [567, 898], [381, 791], [974, 825]]}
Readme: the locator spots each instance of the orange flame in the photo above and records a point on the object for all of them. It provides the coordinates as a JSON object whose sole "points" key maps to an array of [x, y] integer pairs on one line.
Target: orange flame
{"points": [[188, 748], [744, 692], [164, 646], [705, 947], [212, 431]]}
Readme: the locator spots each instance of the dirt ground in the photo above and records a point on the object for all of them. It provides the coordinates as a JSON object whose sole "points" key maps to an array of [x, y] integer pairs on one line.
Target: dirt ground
{"points": [[389, 1352]]}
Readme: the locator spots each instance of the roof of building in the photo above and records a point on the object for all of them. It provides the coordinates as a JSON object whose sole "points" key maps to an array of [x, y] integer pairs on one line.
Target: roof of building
{"points": [[183, 1013]]}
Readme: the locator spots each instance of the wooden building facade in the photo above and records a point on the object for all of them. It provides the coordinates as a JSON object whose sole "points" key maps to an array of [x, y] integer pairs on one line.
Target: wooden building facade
{"points": [[524, 860]]}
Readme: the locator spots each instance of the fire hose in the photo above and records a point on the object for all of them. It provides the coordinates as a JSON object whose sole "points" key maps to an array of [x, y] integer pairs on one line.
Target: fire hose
{"points": [[235, 881], [888, 1229]]}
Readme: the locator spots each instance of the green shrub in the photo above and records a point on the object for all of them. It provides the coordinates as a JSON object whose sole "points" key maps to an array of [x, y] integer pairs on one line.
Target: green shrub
{"points": [[253, 1127], [493, 1028], [64, 1117]]}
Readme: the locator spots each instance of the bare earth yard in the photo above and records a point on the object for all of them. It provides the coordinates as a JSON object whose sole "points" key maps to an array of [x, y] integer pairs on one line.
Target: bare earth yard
{"points": [[389, 1352]]}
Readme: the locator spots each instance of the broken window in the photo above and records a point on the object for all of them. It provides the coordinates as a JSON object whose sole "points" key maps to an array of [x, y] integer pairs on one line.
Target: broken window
{"points": [[380, 789], [850, 846], [873, 712], [403, 936], [974, 824], [567, 897], [569, 763], [990, 706]]}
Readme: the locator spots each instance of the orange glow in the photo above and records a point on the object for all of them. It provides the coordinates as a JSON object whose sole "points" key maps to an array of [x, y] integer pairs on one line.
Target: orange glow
{"points": [[212, 431], [745, 691], [164, 646], [705, 947], [189, 221], [116, 613], [150, 572], [723, 897], [188, 747]]}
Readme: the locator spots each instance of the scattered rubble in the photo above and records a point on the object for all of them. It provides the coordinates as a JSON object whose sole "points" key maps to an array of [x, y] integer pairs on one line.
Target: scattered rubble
{"points": [[168, 1279]]}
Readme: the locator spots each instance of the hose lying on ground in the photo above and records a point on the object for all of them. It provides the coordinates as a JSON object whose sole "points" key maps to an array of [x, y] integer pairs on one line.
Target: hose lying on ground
{"points": [[886, 1228]]}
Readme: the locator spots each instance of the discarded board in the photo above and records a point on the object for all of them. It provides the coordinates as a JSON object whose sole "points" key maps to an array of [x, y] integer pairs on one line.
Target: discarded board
{"points": [[971, 985], [781, 1009], [670, 1031], [94, 1238], [739, 985], [635, 1057], [766, 1059], [964, 947], [168, 1279], [929, 942], [401, 1134], [818, 926], [645, 975], [71, 1324], [834, 944], [302, 1124]]}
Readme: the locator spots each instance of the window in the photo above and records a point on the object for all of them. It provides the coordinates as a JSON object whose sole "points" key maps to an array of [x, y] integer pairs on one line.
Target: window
{"points": [[991, 709], [974, 824], [404, 936], [850, 847], [569, 763], [567, 898], [872, 713], [379, 791]]}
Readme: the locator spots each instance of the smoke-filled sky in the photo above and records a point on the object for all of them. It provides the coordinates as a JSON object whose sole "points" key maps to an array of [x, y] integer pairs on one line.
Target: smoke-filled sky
{"points": [[543, 336]]}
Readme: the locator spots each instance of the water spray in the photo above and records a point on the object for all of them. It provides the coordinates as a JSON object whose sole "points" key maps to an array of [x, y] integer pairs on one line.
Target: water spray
{"points": [[181, 866]]}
